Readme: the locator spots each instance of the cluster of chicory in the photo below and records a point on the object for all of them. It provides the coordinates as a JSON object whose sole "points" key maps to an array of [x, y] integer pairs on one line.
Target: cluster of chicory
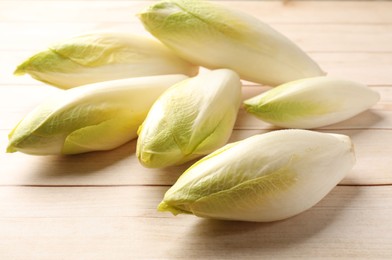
{"points": [[120, 86]]}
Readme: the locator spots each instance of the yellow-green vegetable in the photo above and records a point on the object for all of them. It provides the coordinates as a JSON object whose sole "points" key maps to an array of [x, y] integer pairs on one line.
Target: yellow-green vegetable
{"points": [[99, 116], [213, 36], [265, 177], [191, 119], [96, 57], [312, 102]]}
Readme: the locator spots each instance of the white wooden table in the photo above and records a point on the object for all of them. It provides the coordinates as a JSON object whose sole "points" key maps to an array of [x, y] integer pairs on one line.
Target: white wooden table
{"points": [[103, 205]]}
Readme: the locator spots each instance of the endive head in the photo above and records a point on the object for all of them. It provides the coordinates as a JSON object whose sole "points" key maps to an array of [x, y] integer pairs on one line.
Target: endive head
{"points": [[100, 116], [214, 36], [191, 119], [312, 102], [266, 177], [99, 57]]}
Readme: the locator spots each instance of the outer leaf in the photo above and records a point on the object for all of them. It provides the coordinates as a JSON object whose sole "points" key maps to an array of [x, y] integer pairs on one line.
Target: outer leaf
{"points": [[312, 102], [99, 116], [266, 177], [99, 57], [213, 36], [191, 119]]}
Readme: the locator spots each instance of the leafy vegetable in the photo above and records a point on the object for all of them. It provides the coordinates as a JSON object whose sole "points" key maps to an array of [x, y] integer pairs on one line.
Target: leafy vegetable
{"points": [[312, 102], [265, 177], [191, 119], [99, 116], [213, 36], [100, 57]]}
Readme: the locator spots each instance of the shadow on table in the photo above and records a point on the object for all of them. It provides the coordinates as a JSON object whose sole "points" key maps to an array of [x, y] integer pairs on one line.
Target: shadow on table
{"points": [[239, 239], [116, 167], [83, 164]]}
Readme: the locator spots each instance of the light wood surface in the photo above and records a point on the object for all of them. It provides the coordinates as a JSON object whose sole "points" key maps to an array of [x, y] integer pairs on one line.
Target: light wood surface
{"points": [[102, 205]]}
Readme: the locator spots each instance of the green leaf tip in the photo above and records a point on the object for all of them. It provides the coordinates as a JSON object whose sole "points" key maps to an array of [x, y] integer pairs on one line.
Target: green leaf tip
{"points": [[45, 61], [10, 149], [164, 207]]}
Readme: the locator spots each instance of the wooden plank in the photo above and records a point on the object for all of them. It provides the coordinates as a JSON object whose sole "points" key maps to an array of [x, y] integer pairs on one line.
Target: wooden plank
{"points": [[349, 12], [324, 11], [77, 12], [142, 201], [52, 202], [351, 222], [121, 167], [116, 167], [339, 37], [369, 68], [41, 35], [310, 37]]}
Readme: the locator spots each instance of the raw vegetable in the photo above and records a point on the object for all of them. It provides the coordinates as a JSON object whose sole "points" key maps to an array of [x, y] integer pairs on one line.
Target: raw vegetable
{"points": [[191, 119], [265, 177], [97, 57], [213, 36], [99, 116], [312, 102]]}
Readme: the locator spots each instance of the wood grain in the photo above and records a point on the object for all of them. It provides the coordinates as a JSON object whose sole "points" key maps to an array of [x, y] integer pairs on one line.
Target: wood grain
{"points": [[310, 37], [102, 205], [107, 223], [348, 12]]}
